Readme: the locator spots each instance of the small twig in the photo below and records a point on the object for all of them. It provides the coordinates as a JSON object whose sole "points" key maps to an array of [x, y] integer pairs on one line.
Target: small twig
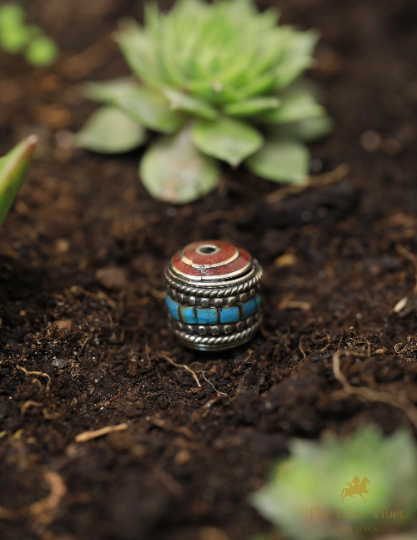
{"points": [[411, 257], [383, 397], [318, 180], [40, 373], [89, 435], [181, 366]]}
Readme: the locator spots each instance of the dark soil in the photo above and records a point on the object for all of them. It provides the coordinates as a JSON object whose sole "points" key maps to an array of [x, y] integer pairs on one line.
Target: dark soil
{"points": [[81, 294]]}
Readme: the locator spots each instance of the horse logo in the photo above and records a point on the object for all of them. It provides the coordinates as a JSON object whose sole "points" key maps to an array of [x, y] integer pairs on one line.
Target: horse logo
{"points": [[356, 487]]}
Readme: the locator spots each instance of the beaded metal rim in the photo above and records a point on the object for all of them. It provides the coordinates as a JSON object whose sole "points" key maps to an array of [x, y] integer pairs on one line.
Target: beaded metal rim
{"points": [[209, 343]]}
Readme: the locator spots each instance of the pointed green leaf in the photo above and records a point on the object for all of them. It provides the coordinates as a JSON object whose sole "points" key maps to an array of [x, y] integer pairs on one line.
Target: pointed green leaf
{"points": [[297, 56], [251, 107], [308, 130], [295, 105], [281, 160], [13, 167], [189, 104], [261, 84], [173, 170], [151, 110], [110, 131], [139, 52], [109, 92], [226, 139]]}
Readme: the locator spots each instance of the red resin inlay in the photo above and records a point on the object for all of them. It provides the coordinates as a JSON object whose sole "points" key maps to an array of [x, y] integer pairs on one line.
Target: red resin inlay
{"points": [[227, 260]]}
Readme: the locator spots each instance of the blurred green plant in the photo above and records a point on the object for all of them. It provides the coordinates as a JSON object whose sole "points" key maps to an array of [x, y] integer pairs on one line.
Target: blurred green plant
{"points": [[13, 168], [317, 479], [18, 37], [220, 82]]}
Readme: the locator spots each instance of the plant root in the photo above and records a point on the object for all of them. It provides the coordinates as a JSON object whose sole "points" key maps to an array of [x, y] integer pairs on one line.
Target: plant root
{"points": [[218, 393], [183, 430], [44, 510], [28, 404], [319, 180], [366, 393], [39, 373], [180, 366]]}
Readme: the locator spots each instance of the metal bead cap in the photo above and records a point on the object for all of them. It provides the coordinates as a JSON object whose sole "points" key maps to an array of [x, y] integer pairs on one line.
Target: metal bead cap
{"points": [[213, 295]]}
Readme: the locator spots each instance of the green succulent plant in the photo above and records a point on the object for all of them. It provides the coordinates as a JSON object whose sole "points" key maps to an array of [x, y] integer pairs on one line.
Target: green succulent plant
{"points": [[13, 168], [18, 37], [309, 495], [220, 82]]}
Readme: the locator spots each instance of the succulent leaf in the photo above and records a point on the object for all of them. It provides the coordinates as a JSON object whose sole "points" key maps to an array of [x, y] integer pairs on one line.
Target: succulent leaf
{"points": [[297, 57], [109, 130], [251, 107], [13, 167], [307, 130], [280, 160], [226, 139], [138, 52], [173, 170], [151, 110], [295, 105], [189, 104], [109, 92]]}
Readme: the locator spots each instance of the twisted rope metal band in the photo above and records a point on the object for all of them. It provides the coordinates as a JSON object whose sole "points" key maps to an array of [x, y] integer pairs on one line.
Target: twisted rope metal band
{"points": [[169, 273], [218, 341], [215, 293]]}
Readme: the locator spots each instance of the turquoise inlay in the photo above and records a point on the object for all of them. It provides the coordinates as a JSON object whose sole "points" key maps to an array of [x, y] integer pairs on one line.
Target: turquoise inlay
{"points": [[258, 302], [207, 316], [188, 315], [172, 307], [248, 308], [229, 314]]}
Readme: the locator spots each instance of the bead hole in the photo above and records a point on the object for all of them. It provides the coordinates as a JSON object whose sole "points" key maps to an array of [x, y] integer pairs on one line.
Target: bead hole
{"points": [[207, 249]]}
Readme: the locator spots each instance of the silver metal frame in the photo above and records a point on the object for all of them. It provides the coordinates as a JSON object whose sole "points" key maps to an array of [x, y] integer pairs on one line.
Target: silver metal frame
{"points": [[227, 292]]}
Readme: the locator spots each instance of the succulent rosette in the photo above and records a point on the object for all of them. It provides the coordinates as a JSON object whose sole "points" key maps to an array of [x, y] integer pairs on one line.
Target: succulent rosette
{"points": [[219, 82]]}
